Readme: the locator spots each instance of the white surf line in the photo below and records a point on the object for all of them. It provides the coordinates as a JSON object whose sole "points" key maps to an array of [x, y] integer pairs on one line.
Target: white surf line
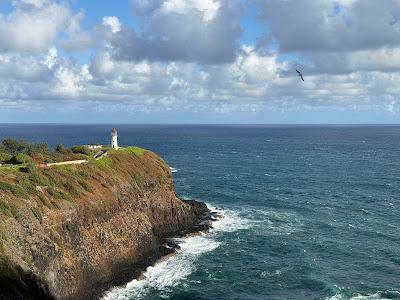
{"points": [[170, 272], [173, 170], [376, 296]]}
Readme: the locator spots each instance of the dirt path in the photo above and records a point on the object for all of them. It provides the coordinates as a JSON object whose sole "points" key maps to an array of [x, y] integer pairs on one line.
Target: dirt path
{"points": [[97, 156]]}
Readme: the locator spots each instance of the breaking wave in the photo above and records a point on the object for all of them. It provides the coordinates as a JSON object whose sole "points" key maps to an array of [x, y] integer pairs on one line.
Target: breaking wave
{"points": [[171, 271], [173, 170], [388, 295]]}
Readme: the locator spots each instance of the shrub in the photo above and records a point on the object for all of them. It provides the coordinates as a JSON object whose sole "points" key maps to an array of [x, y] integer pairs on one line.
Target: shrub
{"points": [[80, 150], [71, 189], [40, 148], [8, 209], [60, 148], [26, 183], [58, 194], [85, 185], [42, 201], [29, 168], [20, 158], [37, 214], [4, 186], [21, 189], [5, 156], [13, 146]]}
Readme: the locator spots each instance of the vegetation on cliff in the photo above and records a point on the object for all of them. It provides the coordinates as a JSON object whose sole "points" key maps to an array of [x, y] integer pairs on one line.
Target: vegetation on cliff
{"points": [[66, 229], [46, 186], [18, 153]]}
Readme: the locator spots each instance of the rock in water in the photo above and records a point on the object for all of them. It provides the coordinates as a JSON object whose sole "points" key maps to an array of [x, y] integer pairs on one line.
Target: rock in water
{"points": [[71, 232]]}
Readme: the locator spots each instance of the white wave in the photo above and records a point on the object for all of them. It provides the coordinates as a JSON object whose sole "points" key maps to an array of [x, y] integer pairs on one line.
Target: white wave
{"points": [[230, 222], [167, 273], [170, 272], [173, 170], [376, 296], [267, 222]]}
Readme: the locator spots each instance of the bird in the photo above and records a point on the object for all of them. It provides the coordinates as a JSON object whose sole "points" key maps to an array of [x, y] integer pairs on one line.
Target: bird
{"points": [[301, 75]]}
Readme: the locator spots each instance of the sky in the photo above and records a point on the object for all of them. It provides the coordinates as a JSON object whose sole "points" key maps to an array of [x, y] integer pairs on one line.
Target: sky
{"points": [[200, 61]]}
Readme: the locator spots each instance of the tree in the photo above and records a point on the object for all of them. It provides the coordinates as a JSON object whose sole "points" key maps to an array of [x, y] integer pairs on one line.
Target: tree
{"points": [[13, 146], [80, 150], [39, 148], [20, 158], [4, 156], [60, 148]]}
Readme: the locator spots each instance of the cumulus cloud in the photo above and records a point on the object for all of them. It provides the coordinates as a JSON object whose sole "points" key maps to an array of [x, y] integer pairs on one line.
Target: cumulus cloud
{"points": [[77, 39], [113, 23], [341, 36], [32, 25], [186, 55], [307, 25], [176, 30]]}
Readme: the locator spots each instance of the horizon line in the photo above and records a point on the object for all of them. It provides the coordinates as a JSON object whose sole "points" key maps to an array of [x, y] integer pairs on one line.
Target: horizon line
{"points": [[203, 124]]}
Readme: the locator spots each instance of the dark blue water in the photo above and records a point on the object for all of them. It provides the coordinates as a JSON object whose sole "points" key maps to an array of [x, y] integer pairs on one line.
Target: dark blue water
{"points": [[312, 212]]}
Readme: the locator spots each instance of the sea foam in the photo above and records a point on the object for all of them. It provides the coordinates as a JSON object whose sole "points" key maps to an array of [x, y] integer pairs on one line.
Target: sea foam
{"points": [[173, 170], [390, 295], [170, 272]]}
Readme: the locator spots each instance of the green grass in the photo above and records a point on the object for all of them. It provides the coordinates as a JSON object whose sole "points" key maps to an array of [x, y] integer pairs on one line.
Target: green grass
{"points": [[7, 169], [4, 186], [104, 162], [65, 168], [37, 214], [85, 174], [19, 190], [86, 186], [70, 187], [57, 194], [8, 209], [42, 201], [134, 150]]}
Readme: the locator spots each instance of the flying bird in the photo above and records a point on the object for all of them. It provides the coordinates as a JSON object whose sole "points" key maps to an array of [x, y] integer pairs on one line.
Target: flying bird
{"points": [[301, 75]]}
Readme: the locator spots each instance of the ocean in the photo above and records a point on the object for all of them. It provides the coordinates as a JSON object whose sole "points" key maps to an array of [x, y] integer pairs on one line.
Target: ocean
{"points": [[311, 212]]}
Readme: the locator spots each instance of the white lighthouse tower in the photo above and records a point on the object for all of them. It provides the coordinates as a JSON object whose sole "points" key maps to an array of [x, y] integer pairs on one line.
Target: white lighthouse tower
{"points": [[114, 138]]}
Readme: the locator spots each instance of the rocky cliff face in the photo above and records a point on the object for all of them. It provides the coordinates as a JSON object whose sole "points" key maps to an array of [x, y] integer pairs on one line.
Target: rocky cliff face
{"points": [[69, 232]]}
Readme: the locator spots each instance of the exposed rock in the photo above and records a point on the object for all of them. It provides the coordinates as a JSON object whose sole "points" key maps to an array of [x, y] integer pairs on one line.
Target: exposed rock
{"points": [[112, 229]]}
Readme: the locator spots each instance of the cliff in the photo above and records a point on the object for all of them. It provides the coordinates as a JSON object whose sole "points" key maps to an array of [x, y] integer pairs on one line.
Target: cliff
{"points": [[68, 232]]}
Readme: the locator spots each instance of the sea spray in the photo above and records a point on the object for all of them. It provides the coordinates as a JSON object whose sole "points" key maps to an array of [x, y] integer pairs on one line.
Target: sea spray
{"points": [[389, 295], [173, 170], [171, 271]]}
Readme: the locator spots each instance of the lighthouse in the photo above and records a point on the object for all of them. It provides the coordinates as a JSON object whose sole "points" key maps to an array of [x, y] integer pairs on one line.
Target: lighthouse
{"points": [[114, 138]]}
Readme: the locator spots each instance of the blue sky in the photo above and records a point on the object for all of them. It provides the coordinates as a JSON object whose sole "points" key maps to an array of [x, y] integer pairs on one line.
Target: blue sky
{"points": [[199, 61]]}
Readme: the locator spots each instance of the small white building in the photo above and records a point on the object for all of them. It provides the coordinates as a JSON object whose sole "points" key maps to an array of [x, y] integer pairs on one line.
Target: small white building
{"points": [[114, 138], [94, 146]]}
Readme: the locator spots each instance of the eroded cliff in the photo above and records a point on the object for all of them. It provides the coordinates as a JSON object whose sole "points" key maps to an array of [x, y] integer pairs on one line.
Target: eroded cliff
{"points": [[69, 231]]}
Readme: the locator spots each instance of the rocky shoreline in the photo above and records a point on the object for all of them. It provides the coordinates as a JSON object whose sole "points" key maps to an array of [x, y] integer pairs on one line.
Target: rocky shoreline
{"points": [[100, 225], [202, 225]]}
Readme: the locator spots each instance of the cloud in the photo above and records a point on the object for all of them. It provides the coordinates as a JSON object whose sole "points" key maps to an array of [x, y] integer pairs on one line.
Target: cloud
{"points": [[176, 30], [78, 39], [32, 25], [307, 25], [161, 65], [113, 23], [336, 37]]}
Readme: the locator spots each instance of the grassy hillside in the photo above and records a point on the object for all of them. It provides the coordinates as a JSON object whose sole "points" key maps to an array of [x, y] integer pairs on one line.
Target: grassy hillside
{"points": [[62, 219], [46, 186]]}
